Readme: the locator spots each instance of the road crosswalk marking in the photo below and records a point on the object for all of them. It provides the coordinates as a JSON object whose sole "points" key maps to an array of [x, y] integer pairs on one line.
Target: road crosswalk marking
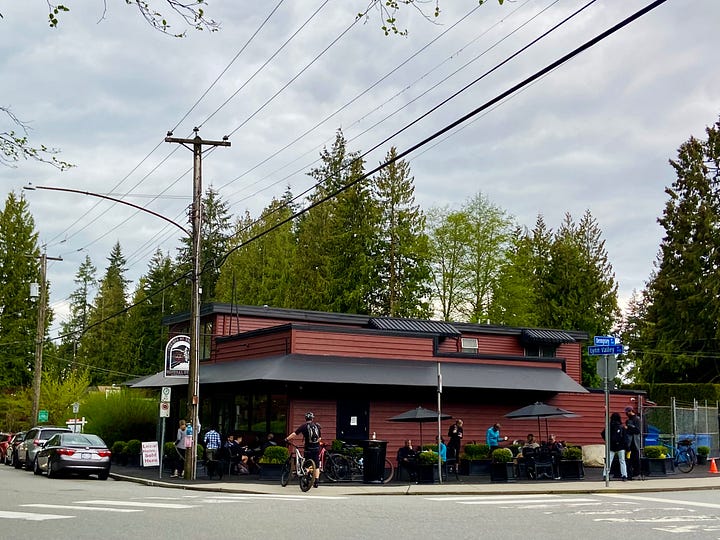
{"points": [[29, 516], [70, 506], [168, 506]]}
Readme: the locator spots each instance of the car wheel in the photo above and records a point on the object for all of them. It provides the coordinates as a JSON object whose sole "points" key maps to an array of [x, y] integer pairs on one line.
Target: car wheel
{"points": [[51, 471], [28, 464], [18, 463], [36, 466], [103, 475]]}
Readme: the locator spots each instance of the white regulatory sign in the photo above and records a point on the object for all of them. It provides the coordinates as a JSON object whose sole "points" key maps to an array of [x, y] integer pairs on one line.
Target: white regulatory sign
{"points": [[164, 410], [165, 394]]}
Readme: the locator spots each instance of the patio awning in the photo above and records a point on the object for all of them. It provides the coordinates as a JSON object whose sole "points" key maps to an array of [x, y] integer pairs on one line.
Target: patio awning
{"points": [[376, 371], [545, 337]]}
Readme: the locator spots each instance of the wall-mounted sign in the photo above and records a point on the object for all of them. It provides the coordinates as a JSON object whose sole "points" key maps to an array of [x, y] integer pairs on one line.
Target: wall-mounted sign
{"points": [[177, 357]]}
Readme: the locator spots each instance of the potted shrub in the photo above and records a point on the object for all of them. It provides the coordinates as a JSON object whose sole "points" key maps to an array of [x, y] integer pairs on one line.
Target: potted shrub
{"points": [[272, 461], [170, 456], [475, 459], [427, 462], [571, 463], [702, 454], [655, 461], [503, 466], [118, 452], [133, 449]]}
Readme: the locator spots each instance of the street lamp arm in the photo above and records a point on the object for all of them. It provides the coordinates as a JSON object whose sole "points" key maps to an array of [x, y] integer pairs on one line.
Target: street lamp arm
{"points": [[120, 201]]}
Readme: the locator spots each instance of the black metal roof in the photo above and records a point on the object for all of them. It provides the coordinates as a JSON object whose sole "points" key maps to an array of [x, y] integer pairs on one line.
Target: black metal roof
{"points": [[437, 328], [376, 371], [547, 337]]}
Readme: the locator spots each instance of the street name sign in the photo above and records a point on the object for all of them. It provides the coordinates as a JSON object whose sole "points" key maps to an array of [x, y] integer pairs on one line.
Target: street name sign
{"points": [[604, 341], [609, 349]]}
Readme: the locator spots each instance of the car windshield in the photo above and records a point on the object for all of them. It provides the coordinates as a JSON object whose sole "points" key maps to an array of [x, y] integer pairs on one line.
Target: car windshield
{"points": [[81, 439]]}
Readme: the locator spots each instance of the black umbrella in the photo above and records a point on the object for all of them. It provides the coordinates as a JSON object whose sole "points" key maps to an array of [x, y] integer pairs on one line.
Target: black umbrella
{"points": [[540, 410], [419, 415]]}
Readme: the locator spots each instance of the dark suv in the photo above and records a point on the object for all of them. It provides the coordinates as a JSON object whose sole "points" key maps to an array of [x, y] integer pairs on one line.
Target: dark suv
{"points": [[33, 441]]}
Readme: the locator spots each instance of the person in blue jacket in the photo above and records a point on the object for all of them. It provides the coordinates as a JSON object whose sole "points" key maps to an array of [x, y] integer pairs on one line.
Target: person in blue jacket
{"points": [[493, 437]]}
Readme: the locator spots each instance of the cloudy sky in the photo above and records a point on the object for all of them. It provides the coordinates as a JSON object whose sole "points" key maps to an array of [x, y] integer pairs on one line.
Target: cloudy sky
{"points": [[594, 134]]}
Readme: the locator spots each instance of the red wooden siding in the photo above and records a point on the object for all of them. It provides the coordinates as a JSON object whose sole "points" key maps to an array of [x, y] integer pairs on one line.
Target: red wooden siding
{"points": [[255, 346], [572, 352], [361, 345], [494, 344]]}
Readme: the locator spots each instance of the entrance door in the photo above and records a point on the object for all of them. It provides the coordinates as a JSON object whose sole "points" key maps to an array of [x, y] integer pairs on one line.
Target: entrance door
{"points": [[353, 420]]}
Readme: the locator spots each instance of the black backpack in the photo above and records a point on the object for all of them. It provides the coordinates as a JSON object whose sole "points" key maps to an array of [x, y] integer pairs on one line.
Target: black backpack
{"points": [[617, 437], [313, 433]]}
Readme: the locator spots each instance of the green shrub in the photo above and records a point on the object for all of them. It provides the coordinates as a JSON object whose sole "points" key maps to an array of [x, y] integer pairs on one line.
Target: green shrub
{"points": [[703, 451], [655, 451], [121, 416], [118, 448], [133, 447], [275, 454], [572, 452], [502, 455], [427, 457], [169, 450], [476, 451]]}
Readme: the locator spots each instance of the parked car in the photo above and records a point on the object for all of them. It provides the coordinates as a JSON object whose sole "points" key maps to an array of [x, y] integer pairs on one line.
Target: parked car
{"points": [[32, 442], [11, 454], [4, 441], [81, 453]]}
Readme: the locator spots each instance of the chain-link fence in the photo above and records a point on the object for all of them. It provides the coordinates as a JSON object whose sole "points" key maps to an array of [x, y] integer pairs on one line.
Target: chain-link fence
{"points": [[668, 425]]}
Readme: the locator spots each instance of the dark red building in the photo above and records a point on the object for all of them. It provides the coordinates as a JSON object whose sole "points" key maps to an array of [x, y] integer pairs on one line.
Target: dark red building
{"points": [[262, 368]]}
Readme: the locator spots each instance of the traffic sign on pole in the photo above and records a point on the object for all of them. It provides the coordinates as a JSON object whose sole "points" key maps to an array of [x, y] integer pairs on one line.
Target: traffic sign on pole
{"points": [[604, 341], [601, 350]]}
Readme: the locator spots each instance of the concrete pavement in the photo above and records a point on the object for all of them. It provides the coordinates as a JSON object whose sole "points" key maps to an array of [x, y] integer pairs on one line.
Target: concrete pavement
{"points": [[699, 479]]}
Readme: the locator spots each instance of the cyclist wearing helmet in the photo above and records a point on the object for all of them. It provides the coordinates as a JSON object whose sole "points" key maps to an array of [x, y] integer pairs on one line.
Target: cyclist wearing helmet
{"points": [[310, 431]]}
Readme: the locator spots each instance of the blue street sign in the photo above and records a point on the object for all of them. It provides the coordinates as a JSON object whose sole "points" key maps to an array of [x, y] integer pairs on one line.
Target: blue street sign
{"points": [[604, 341], [600, 350]]}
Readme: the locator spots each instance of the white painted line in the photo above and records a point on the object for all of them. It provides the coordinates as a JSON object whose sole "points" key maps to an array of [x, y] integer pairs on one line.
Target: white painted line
{"points": [[169, 506], [553, 502], [277, 497], [31, 517], [71, 507], [633, 497], [488, 497]]}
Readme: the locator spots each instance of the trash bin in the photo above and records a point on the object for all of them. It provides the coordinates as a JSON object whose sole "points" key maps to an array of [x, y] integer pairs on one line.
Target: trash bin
{"points": [[374, 461]]}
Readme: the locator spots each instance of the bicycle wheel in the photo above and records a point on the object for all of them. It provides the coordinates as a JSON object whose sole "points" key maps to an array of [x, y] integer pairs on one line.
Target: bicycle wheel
{"points": [[337, 467], [285, 472], [684, 461], [389, 471], [307, 475]]}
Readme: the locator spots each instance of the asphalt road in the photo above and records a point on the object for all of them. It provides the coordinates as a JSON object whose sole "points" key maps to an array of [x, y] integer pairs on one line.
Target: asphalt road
{"points": [[35, 506]]}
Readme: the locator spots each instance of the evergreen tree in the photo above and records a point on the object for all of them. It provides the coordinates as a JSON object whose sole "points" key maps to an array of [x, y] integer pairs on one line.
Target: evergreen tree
{"points": [[680, 338], [154, 299], [19, 266], [260, 273], [104, 346], [334, 264], [401, 253], [80, 305]]}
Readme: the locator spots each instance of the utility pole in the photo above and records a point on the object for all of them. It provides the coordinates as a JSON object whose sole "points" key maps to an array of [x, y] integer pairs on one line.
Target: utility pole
{"points": [[40, 337], [193, 399]]}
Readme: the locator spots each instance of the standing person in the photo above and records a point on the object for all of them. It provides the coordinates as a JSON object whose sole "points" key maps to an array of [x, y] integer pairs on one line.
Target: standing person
{"points": [[617, 443], [455, 434], [212, 444], [180, 446], [493, 438], [311, 432], [634, 431], [442, 448]]}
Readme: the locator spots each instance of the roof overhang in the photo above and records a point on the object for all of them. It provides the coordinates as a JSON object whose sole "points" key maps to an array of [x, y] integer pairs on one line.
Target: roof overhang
{"points": [[545, 337], [376, 371]]}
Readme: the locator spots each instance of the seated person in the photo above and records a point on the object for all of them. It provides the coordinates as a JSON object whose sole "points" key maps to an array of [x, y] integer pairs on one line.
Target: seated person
{"points": [[407, 458], [442, 447], [530, 442]]}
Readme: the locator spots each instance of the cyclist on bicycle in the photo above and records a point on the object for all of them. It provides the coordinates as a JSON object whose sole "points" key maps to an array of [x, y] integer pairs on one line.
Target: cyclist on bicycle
{"points": [[310, 431]]}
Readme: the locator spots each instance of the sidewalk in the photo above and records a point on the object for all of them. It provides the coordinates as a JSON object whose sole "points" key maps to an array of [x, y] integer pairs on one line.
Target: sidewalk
{"points": [[593, 482]]}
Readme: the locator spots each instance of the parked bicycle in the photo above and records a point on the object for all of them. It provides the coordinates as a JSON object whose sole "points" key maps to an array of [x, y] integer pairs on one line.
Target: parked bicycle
{"points": [[347, 466], [685, 456], [299, 467]]}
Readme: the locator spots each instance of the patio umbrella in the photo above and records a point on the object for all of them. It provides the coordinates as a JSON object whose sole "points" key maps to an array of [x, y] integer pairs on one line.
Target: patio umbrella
{"points": [[419, 415], [540, 410]]}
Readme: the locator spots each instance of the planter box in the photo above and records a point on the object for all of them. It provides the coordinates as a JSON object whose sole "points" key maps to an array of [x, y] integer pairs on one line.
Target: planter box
{"points": [[428, 474], [701, 459], [657, 466], [474, 467], [270, 471], [571, 468], [503, 472]]}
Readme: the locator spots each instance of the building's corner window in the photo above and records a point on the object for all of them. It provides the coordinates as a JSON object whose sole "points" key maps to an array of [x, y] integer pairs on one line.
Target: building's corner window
{"points": [[469, 345]]}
